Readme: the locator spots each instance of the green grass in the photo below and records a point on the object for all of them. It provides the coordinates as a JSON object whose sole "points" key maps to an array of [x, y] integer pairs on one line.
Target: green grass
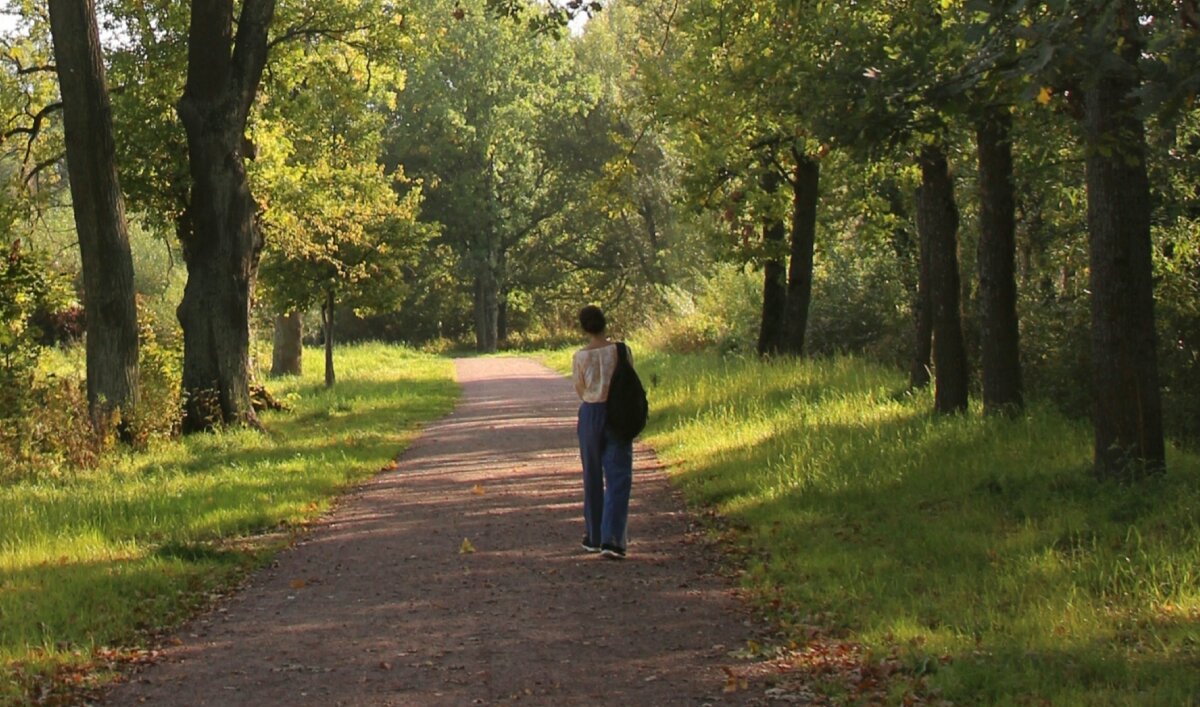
{"points": [[980, 551], [102, 557]]}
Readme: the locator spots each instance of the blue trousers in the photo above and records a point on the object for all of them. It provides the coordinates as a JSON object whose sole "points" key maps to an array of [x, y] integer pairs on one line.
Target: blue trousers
{"points": [[607, 478]]}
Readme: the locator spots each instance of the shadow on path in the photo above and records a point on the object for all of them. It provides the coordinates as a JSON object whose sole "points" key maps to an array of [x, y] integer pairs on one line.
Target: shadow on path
{"points": [[378, 606]]}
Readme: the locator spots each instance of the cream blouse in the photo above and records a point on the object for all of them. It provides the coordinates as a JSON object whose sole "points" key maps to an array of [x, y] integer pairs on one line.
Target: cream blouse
{"points": [[592, 371]]}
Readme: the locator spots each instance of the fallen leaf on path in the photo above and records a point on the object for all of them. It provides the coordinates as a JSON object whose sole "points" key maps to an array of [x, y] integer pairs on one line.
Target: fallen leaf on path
{"points": [[385, 665], [466, 547], [733, 682], [298, 583], [477, 490]]}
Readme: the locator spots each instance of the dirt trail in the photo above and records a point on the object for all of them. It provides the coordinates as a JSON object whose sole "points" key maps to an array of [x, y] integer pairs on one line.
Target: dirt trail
{"points": [[390, 612]]}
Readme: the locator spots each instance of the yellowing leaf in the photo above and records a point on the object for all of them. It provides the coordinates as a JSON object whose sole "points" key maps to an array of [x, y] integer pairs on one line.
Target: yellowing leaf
{"points": [[466, 548], [1043, 96], [477, 490], [297, 584]]}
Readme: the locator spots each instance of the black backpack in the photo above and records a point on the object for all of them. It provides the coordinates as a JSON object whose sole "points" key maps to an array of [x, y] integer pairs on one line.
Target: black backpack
{"points": [[627, 404]]}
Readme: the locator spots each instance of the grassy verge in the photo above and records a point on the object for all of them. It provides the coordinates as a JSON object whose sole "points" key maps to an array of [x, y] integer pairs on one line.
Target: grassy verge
{"points": [[978, 556], [93, 563]]}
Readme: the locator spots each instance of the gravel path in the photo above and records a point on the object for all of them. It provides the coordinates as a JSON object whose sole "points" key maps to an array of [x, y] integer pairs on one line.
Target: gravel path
{"points": [[379, 605]]}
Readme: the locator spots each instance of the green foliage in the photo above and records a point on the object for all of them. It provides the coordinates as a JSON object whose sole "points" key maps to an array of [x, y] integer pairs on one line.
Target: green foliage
{"points": [[160, 366], [720, 315], [34, 414], [977, 549], [332, 221], [151, 536], [535, 163]]}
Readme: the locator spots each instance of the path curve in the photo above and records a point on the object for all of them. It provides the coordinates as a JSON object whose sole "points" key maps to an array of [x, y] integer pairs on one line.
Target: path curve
{"points": [[392, 613]]}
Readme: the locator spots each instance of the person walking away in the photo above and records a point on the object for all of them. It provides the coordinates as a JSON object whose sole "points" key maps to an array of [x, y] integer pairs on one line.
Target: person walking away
{"points": [[607, 459]]}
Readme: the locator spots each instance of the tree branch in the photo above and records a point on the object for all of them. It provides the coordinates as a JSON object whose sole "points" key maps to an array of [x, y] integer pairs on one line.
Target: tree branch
{"points": [[22, 70], [36, 127], [301, 32], [250, 50], [43, 165]]}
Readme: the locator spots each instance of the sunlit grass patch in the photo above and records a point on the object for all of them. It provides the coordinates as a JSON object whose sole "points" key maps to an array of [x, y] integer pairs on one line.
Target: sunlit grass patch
{"points": [[96, 558], [981, 550]]}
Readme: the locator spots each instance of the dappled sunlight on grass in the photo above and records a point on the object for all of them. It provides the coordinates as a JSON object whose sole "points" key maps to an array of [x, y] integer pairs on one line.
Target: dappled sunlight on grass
{"points": [[980, 548], [91, 559]]}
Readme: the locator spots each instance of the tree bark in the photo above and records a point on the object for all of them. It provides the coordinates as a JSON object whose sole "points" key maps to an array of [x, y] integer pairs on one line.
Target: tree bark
{"points": [[502, 317], [1128, 406], [487, 305], [999, 334], [108, 289], [922, 361], [774, 307], [327, 334], [806, 183], [222, 247], [937, 219], [287, 351]]}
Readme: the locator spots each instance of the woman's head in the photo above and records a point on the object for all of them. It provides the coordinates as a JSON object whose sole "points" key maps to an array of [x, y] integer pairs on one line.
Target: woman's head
{"points": [[591, 318]]}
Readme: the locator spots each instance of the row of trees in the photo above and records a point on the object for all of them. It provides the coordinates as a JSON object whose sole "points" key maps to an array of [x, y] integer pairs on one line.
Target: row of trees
{"points": [[459, 175], [760, 95], [192, 111], [340, 156]]}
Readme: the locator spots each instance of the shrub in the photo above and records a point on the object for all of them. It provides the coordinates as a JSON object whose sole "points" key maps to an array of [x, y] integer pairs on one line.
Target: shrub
{"points": [[722, 314], [160, 365]]}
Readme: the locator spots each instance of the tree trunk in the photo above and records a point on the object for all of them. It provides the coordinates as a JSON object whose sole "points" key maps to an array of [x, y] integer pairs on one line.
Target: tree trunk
{"points": [[774, 307], [287, 351], [223, 245], [922, 362], [501, 296], [805, 196], [1128, 407], [327, 334], [487, 307], [502, 318], [997, 268], [937, 219], [108, 290]]}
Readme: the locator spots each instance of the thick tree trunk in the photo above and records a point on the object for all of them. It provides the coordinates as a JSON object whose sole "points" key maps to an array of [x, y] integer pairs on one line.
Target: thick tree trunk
{"points": [[112, 334], [327, 320], [222, 249], [805, 196], [502, 318], [922, 361], [1128, 406], [937, 219], [997, 277], [486, 312], [774, 306], [287, 351]]}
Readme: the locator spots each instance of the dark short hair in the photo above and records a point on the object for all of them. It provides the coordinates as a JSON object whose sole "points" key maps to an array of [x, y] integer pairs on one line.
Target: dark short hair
{"points": [[591, 318]]}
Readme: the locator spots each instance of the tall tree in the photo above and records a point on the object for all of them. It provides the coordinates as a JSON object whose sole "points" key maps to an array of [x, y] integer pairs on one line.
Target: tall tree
{"points": [[999, 334], [1096, 54], [112, 332], [805, 181], [725, 128], [479, 126], [222, 247], [1128, 416], [937, 220]]}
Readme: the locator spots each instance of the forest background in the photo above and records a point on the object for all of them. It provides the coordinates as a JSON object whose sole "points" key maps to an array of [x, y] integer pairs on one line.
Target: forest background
{"points": [[1000, 199], [720, 176]]}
